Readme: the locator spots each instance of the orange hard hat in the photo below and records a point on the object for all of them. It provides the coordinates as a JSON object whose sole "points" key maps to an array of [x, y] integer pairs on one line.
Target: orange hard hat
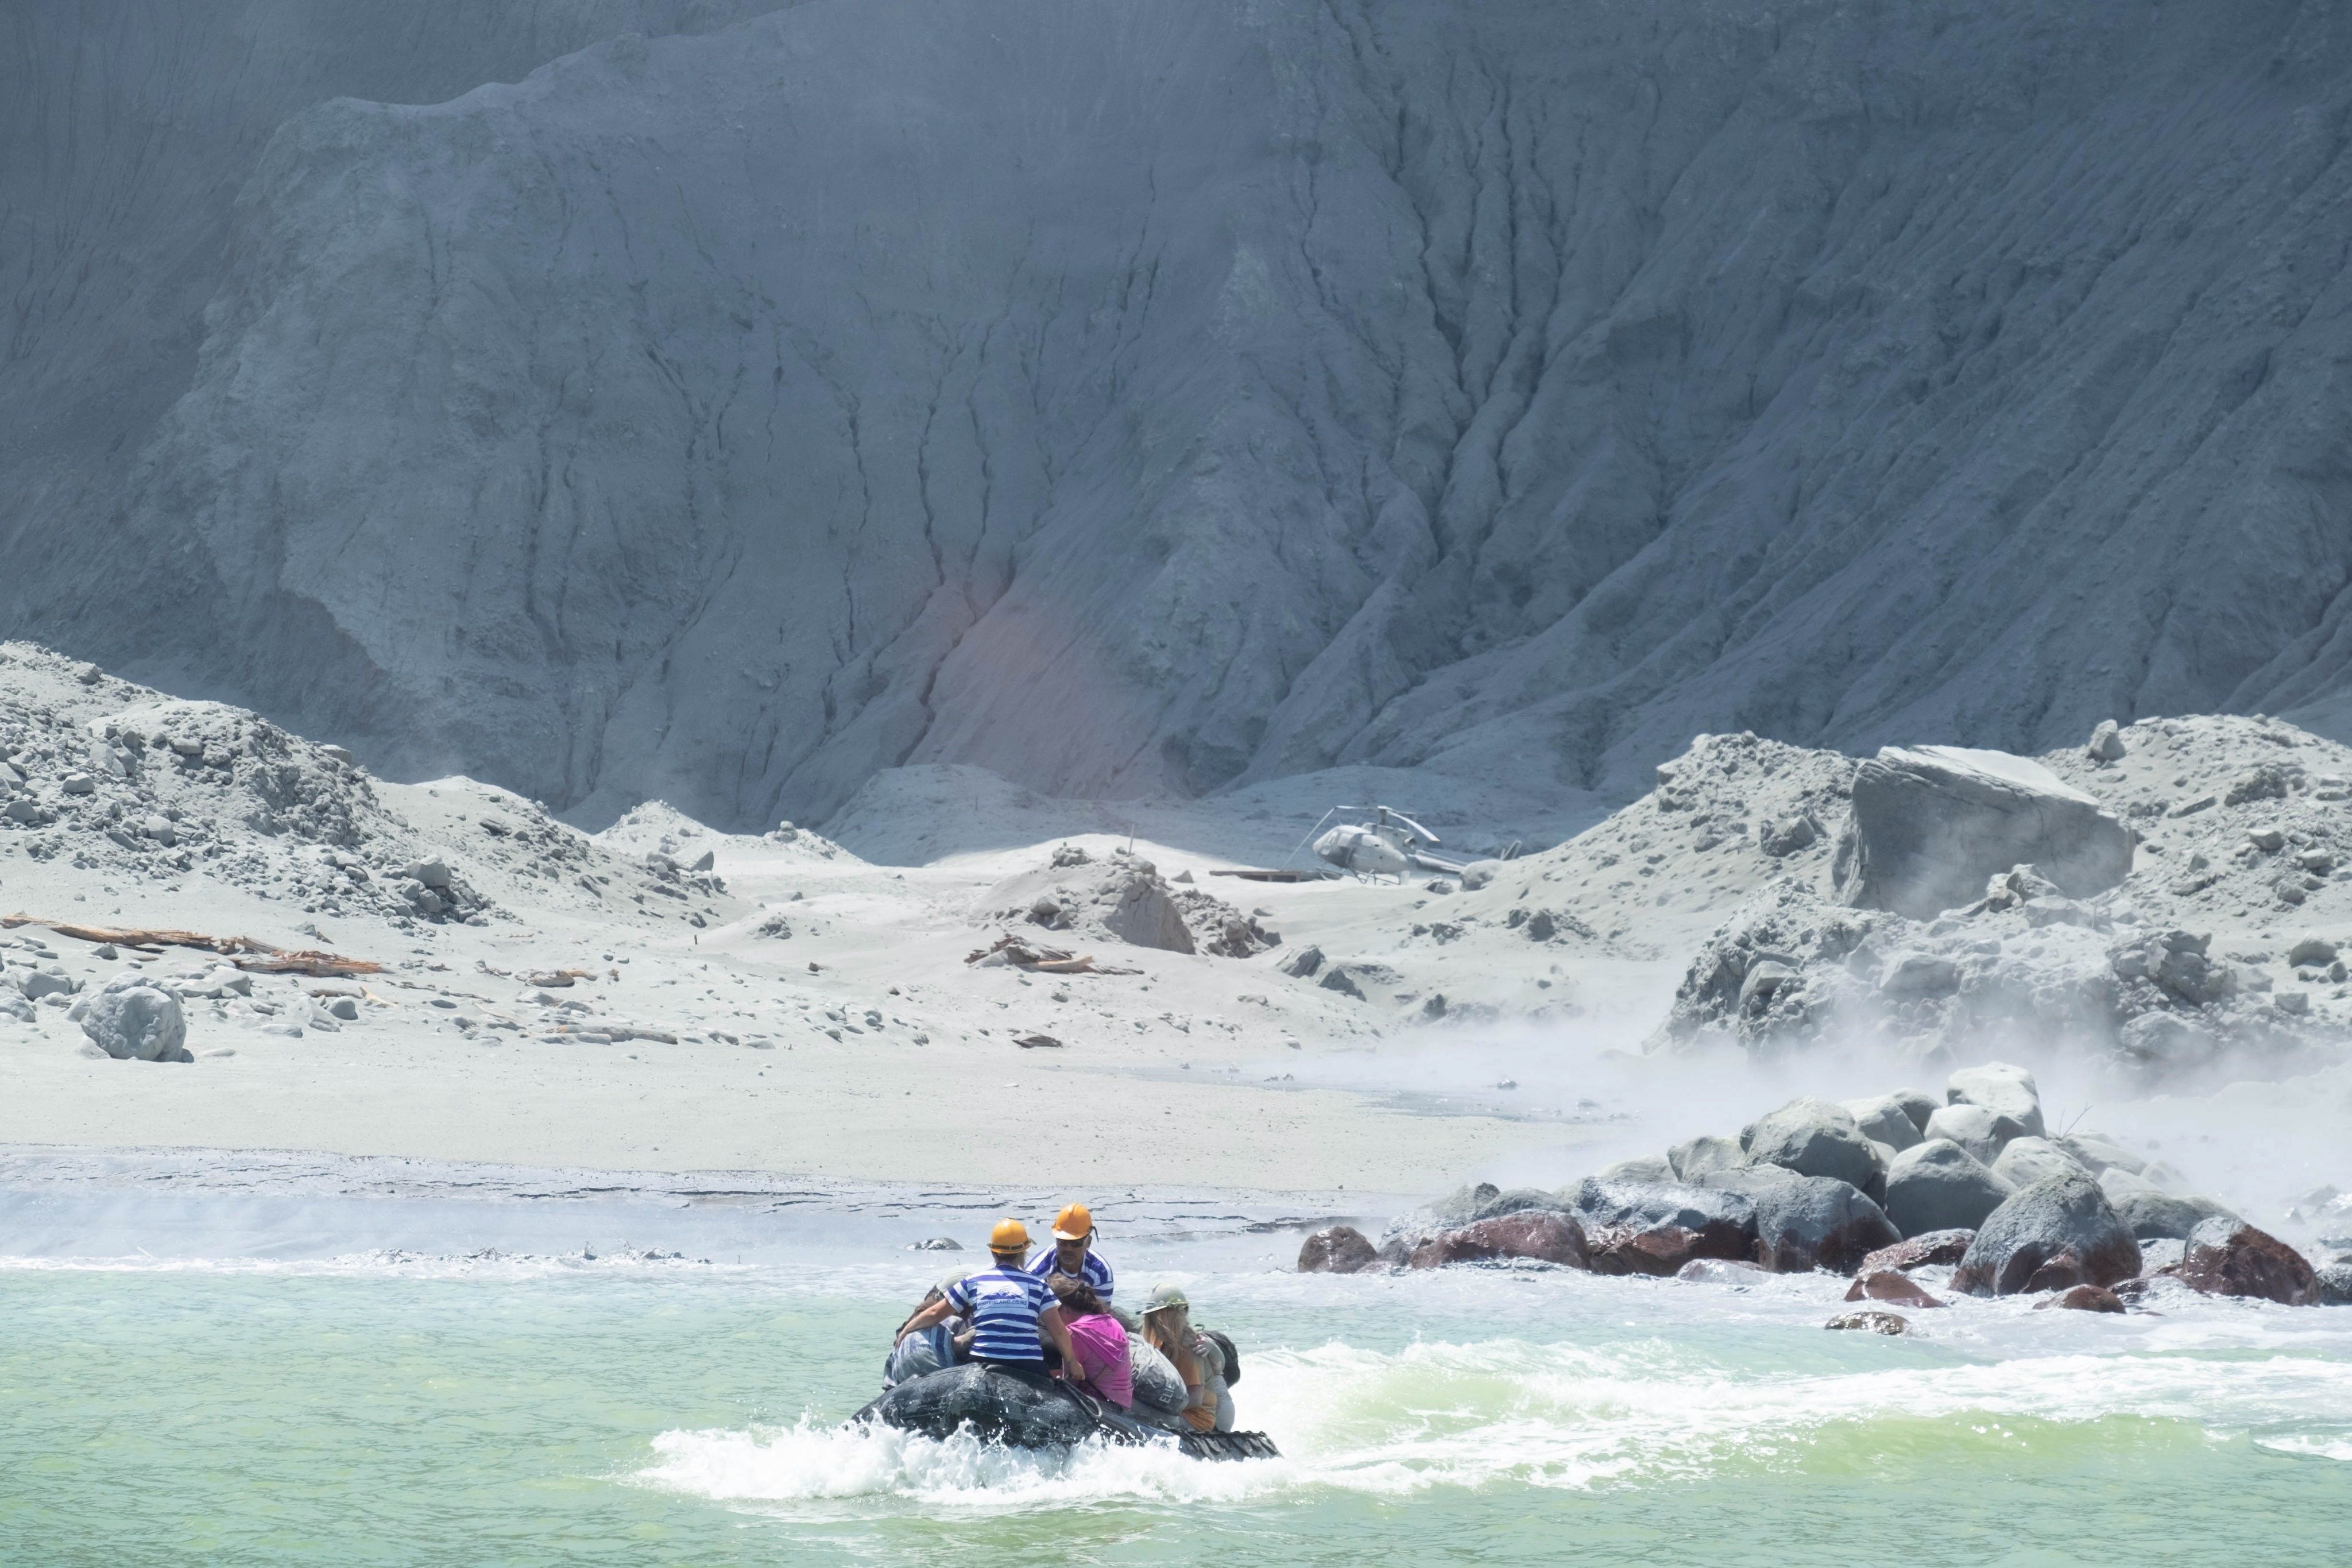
{"points": [[1010, 1236], [1074, 1223]]}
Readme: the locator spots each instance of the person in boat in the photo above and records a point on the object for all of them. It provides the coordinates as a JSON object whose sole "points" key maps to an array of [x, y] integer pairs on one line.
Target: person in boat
{"points": [[1014, 1313], [1102, 1368], [945, 1344], [1073, 1254], [1198, 1359]]}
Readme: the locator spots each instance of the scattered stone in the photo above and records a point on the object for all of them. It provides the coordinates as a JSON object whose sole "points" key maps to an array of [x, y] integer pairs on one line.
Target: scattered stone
{"points": [[2106, 744], [938, 1244], [1479, 874], [2057, 1233], [1337, 1249], [1303, 963], [1871, 1321], [2311, 952]]}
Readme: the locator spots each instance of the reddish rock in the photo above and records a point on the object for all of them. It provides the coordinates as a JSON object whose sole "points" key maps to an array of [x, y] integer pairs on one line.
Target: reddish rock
{"points": [[1886, 1285], [1870, 1321], [1934, 1247], [2226, 1258], [1660, 1250], [1341, 1249], [2082, 1299], [2060, 1271], [1544, 1236]]}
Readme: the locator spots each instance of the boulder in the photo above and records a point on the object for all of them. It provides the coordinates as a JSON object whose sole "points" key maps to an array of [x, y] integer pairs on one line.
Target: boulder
{"points": [[1704, 1222], [2025, 1160], [2082, 1299], [1934, 1246], [1544, 1236], [1478, 874], [2056, 1234], [2002, 1088], [1732, 1271], [1889, 1285], [132, 1020], [2154, 1213], [2312, 953], [1983, 1133], [2230, 1258], [2106, 744], [1337, 1249], [2334, 1282], [1640, 1168], [1303, 963], [1812, 1138], [1931, 825], [1885, 1119], [1919, 975], [1809, 1222], [1143, 914], [1695, 1159], [1870, 1321], [2097, 1153], [1938, 1185]]}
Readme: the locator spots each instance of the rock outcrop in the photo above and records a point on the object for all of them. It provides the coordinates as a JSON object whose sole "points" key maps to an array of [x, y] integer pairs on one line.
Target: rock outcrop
{"points": [[2230, 1258], [1337, 1249], [1938, 1186]]}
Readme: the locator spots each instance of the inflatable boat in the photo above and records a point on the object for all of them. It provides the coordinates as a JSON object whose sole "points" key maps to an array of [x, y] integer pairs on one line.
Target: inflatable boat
{"points": [[1021, 1412]]}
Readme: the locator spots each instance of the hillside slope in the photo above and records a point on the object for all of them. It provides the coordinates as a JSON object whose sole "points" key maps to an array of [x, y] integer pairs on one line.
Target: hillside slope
{"points": [[1128, 397]]}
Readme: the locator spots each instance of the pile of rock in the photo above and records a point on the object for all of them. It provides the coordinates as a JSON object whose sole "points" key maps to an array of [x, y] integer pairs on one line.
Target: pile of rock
{"points": [[1973, 1181], [1123, 898]]}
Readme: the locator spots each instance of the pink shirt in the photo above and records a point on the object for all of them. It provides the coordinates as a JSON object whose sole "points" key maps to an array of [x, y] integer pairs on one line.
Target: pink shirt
{"points": [[1101, 1345]]}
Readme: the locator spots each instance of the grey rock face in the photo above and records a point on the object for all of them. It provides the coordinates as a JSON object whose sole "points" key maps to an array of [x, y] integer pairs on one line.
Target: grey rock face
{"points": [[2056, 1234], [1932, 824], [2002, 1088], [2155, 1215], [130, 1020], [1444, 469], [1939, 1185], [1695, 1159], [1812, 1138], [1642, 1168]]}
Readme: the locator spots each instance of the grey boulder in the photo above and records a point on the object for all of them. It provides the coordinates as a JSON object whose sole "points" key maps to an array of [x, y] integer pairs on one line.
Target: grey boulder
{"points": [[132, 1021], [1721, 1223], [1695, 1159], [1811, 1138], [1939, 1185], [2025, 1160], [1932, 824], [1886, 1120], [1982, 1133], [2155, 1214], [2002, 1088], [2058, 1233], [1809, 1222]]}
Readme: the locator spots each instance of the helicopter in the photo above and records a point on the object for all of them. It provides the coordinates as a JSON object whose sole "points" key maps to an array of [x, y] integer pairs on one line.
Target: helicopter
{"points": [[1390, 844]]}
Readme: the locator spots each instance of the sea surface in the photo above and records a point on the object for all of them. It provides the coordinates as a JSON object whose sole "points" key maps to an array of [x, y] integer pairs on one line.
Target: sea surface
{"points": [[248, 1373]]}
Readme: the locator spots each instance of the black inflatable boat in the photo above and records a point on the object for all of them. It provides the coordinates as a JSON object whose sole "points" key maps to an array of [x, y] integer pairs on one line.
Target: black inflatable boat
{"points": [[1021, 1411]]}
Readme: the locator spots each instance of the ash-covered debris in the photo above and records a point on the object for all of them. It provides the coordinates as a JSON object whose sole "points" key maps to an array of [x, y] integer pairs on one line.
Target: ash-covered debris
{"points": [[2238, 822]]}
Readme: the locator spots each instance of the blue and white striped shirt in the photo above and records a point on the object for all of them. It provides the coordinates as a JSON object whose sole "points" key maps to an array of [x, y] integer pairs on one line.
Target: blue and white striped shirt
{"points": [[1094, 1270], [1004, 1305]]}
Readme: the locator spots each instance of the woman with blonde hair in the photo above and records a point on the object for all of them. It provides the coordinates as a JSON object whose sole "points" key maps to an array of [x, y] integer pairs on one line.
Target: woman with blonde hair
{"points": [[1199, 1361]]}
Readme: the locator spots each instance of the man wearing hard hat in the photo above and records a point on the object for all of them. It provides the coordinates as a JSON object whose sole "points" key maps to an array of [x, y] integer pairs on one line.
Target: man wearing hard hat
{"points": [[1013, 1312], [1073, 1252]]}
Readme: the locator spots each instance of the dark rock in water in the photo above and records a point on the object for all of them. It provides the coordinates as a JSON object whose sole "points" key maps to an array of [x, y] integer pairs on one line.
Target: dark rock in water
{"points": [[1457, 1208], [1718, 1271], [1543, 1236], [2157, 1216], [1036, 1411], [1661, 1251], [1812, 1138], [2335, 1283], [1938, 1185], [1717, 1223], [2231, 1257], [1340, 1249], [1872, 1320], [2055, 1234], [1886, 1285], [1930, 1248], [2083, 1299], [938, 1244], [1811, 1222]]}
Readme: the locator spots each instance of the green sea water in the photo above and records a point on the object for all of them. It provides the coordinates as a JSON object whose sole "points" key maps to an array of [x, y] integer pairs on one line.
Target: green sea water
{"points": [[400, 1411]]}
